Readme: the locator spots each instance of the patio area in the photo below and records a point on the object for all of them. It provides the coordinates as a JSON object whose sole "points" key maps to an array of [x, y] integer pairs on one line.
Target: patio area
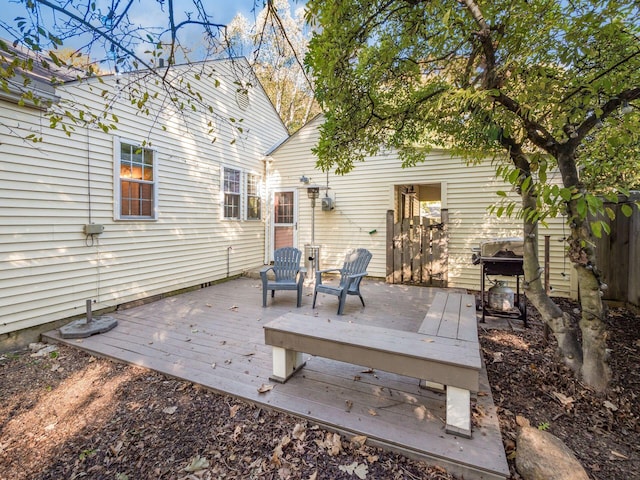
{"points": [[214, 337]]}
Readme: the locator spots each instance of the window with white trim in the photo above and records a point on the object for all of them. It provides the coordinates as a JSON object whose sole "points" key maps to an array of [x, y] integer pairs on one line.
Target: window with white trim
{"points": [[254, 200], [231, 188], [136, 182]]}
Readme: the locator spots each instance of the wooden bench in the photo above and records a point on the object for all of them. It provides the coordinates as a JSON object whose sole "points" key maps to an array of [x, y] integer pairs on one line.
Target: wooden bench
{"points": [[453, 316], [444, 361]]}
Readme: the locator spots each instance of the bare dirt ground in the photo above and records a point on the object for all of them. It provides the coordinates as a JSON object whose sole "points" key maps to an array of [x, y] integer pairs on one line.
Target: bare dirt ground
{"points": [[68, 415]]}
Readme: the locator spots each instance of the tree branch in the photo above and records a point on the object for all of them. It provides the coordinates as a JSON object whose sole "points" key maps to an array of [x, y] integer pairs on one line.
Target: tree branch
{"points": [[601, 74], [109, 39]]}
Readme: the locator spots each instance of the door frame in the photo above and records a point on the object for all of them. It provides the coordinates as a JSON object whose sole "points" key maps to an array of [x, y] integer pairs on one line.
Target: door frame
{"points": [[415, 245]]}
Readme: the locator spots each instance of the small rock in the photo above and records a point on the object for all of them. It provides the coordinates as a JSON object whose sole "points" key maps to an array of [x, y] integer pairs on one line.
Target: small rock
{"points": [[34, 347], [543, 456], [41, 349]]}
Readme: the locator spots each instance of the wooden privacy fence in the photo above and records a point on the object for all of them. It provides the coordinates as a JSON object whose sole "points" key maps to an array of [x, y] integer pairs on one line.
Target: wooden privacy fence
{"points": [[417, 250], [618, 254]]}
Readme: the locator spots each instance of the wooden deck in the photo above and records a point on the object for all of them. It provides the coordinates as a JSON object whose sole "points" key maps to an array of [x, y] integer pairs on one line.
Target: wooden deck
{"points": [[214, 337]]}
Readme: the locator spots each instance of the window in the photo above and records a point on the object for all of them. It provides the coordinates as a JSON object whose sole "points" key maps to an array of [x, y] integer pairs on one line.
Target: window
{"points": [[241, 194], [136, 185], [254, 202], [231, 190], [284, 204]]}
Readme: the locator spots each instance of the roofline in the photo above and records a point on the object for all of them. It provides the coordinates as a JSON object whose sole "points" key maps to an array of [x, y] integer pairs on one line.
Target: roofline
{"points": [[42, 91], [276, 147]]}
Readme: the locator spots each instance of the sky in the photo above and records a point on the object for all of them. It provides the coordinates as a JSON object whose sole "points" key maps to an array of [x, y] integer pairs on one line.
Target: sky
{"points": [[223, 10], [144, 12]]}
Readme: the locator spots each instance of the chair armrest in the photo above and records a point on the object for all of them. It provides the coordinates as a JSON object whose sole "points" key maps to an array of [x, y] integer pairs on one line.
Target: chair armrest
{"points": [[329, 270], [351, 278], [320, 272], [356, 275], [302, 272], [264, 270]]}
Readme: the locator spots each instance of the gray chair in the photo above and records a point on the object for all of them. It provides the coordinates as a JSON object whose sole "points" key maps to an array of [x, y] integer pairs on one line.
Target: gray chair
{"points": [[351, 273], [287, 272]]}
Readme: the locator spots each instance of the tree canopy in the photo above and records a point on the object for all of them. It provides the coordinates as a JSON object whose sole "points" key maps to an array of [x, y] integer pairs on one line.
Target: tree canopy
{"points": [[275, 44], [471, 76], [541, 85]]}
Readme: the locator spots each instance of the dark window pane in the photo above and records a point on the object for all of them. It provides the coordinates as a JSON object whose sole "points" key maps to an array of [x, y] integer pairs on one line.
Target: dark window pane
{"points": [[253, 208], [231, 180], [231, 205]]}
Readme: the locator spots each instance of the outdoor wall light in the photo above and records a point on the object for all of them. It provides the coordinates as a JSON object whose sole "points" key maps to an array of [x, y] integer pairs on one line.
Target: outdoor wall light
{"points": [[313, 192]]}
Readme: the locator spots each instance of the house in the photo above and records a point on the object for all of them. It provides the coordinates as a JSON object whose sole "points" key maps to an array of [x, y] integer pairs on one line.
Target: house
{"points": [[176, 199], [362, 208], [168, 200]]}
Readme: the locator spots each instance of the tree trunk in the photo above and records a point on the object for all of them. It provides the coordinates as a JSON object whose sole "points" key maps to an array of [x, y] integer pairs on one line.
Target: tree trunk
{"points": [[595, 371], [565, 332]]}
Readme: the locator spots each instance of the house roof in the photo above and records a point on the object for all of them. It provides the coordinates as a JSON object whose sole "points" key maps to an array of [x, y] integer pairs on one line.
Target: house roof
{"points": [[30, 76]]}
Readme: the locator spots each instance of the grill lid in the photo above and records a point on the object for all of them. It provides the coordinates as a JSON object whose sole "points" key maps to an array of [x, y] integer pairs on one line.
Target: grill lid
{"points": [[502, 247]]}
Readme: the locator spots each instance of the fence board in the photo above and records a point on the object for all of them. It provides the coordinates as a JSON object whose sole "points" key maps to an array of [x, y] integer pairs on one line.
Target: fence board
{"points": [[406, 250], [390, 246], [416, 250], [618, 254]]}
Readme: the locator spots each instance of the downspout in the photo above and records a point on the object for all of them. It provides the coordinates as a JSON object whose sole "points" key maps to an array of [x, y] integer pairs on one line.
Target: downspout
{"points": [[90, 239], [267, 210]]}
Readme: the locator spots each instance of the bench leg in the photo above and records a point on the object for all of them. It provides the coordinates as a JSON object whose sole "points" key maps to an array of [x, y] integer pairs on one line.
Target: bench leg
{"points": [[458, 411], [285, 363], [436, 387]]}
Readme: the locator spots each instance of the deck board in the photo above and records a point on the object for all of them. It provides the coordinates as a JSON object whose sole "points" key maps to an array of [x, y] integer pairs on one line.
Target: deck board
{"points": [[214, 337]]}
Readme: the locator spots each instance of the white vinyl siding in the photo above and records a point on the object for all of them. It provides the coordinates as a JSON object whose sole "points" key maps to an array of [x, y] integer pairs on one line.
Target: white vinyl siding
{"points": [[50, 190], [363, 197]]}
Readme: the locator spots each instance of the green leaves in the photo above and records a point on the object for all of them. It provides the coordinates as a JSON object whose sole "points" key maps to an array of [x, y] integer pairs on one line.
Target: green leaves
{"points": [[598, 227]]}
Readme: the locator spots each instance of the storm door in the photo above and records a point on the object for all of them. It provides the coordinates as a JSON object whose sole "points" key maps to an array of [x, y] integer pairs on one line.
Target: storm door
{"points": [[285, 222]]}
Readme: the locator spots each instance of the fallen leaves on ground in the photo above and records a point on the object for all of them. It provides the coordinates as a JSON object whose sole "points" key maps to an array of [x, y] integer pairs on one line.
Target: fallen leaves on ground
{"points": [[196, 464], [534, 388], [360, 470], [264, 388]]}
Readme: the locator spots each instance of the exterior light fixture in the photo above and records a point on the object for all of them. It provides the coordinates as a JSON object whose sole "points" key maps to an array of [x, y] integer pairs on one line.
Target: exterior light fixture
{"points": [[313, 192]]}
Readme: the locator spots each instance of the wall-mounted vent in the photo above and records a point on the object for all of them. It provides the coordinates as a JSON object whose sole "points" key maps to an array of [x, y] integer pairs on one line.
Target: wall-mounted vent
{"points": [[242, 98]]}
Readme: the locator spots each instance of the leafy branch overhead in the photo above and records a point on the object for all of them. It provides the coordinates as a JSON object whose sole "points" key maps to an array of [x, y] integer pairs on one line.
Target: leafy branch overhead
{"points": [[549, 90], [532, 76], [166, 63]]}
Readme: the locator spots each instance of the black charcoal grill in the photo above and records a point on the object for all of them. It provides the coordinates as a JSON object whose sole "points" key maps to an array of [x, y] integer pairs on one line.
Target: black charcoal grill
{"points": [[501, 257]]}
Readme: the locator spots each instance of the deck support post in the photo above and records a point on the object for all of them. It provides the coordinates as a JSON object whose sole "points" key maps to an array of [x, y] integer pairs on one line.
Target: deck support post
{"points": [[285, 363], [458, 411]]}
